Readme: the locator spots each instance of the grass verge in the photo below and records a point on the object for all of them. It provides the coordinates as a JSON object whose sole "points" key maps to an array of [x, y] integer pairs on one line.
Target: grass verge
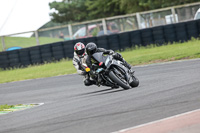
{"points": [[38, 71], [135, 56], [27, 42], [170, 52], [3, 107]]}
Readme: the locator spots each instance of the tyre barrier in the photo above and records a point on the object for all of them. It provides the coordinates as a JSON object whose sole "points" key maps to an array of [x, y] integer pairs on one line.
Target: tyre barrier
{"points": [[124, 40], [113, 41], [57, 50], [46, 53], [159, 35], [169, 33], [102, 42], [181, 32], [4, 61], [35, 55], [135, 38], [79, 40], [91, 39], [68, 47], [147, 36], [192, 29]]}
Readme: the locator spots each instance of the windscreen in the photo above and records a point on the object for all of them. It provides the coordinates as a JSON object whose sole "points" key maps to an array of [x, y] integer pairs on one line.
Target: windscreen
{"points": [[99, 57]]}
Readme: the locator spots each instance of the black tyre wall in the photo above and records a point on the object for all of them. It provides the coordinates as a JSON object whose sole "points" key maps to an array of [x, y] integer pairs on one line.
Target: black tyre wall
{"points": [[57, 50], [113, 41], [46, 48], [46, 53], [35, 55], [68, 47], [158, 35], [4, 61], [198, 26], [181, 32], [82, 40], [135, 38], [170, 33], [192, 29], [102, 42], [13, 57], [90, 39], [3, 56], [147, 36], [124, 40], [24, 56]]}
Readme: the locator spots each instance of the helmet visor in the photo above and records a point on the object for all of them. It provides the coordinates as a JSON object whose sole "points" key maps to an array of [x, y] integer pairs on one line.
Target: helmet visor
{"points": [[80, 52]]}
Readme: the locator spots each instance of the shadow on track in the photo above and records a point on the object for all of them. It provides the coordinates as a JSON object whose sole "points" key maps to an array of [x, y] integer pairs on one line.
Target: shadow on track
{"points": [[102, 92]]}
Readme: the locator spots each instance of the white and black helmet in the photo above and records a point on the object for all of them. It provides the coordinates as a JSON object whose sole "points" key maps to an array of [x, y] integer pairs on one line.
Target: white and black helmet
{"points": [[79, 48]]}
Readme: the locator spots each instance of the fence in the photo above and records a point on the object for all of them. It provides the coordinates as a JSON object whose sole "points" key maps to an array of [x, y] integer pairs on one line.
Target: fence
{"points": [[117, 24], [178, 32]]}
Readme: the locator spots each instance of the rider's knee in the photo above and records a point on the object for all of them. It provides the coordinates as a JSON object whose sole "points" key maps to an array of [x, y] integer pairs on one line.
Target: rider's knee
{"points": [[117, 56]]}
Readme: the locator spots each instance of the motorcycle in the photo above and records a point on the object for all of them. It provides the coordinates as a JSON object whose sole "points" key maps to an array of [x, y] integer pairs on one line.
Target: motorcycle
{"points": [[108, 71]]}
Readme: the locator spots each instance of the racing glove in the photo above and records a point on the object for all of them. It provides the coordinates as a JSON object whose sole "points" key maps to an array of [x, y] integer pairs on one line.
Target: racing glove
{"points": [[111, 52]]}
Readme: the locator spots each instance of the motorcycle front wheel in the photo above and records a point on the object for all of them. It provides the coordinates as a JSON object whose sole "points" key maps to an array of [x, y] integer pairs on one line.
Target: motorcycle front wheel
{"points": [[119, 81]]}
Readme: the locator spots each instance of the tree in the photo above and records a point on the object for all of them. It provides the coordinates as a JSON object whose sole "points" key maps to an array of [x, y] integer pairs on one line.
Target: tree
{"points": [[68, 11], [132, 6], [82, 10], [103, 8]]}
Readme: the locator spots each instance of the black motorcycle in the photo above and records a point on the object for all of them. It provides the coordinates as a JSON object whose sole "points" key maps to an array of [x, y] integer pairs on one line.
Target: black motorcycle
{"points": [[108, 71]]}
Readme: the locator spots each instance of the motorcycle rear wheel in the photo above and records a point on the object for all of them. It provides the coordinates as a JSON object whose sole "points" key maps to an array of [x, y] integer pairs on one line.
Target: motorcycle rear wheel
{"points": [[118, 81]]}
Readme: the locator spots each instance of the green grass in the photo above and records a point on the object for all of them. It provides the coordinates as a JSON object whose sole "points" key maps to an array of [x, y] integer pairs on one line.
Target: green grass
{"points": [[135, 56], [5, 106], [171, 52], [27, 42], [4, 109], [40, 71]]}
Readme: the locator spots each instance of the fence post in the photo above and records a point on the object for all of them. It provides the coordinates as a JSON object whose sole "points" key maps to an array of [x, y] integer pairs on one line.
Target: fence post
{"points": [[70, 31], [37, 38], [174, 14], [3, 43], [138, 20], [86, 31], [104, 26]]}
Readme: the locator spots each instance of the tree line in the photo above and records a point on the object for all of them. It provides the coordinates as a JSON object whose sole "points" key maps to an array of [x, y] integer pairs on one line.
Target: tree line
{"points": [[68, 11]]}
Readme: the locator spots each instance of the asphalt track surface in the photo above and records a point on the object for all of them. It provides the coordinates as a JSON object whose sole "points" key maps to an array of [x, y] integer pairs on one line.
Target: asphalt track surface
{"points": [[70, 107]]}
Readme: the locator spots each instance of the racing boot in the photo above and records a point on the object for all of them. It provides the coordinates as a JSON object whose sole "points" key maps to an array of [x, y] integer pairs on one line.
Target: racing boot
{"points": [[129, 67], [131, 71]]}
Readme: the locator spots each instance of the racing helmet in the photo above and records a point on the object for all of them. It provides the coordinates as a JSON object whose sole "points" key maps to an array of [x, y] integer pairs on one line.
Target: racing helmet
{"points": [[79, 48], [91, 48]]}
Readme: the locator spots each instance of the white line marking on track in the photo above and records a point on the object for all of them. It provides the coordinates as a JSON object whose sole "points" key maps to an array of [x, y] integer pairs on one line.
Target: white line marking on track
{"points": [[153, 122]]}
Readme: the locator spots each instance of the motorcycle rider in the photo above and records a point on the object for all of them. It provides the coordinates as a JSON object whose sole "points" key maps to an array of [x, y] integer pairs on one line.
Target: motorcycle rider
{"points": [[91, 48], [79, 59]]}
